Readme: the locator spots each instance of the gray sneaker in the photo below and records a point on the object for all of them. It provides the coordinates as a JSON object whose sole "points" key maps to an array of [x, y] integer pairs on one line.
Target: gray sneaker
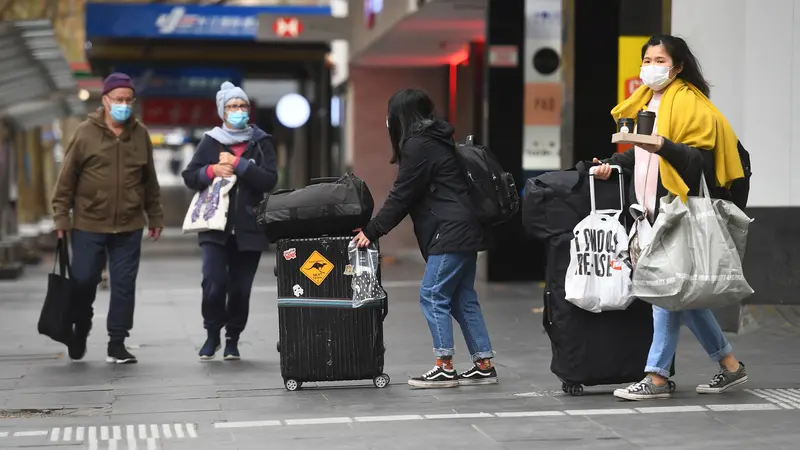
{"points": [[724, 380], [646, 390]]}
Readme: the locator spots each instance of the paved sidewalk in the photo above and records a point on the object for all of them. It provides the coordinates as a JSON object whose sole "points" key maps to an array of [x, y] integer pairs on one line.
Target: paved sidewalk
{"points": [[172, 401]]}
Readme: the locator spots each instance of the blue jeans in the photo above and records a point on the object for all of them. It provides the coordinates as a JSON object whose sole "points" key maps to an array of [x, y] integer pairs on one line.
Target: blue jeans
{"points": [[448, 289], [88, 260], [666, 331]]}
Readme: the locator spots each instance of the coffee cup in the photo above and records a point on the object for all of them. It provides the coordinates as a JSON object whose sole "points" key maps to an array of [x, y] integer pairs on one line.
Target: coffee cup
{"points": [[645, 122], [625, 125]]}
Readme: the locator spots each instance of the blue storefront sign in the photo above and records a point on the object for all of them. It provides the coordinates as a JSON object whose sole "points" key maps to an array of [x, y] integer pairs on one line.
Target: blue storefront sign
{"points": [[145, 20], [179, 82]]}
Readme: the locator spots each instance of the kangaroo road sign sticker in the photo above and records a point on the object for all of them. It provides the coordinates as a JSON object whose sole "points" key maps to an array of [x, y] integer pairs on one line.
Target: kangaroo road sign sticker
{"points": [[316, 268]]}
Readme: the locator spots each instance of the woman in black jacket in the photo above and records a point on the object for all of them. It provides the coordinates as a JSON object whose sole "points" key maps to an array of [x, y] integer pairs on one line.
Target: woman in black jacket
{"points": [[231, 257], [695, 141], [432, 188]]}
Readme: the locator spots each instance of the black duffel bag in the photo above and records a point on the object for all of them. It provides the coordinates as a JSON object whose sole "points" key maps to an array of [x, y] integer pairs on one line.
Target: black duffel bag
{"points": [[328, 206]]}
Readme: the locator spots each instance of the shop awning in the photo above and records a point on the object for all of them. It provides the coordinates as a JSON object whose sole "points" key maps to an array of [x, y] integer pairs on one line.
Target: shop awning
{"points": [[36, 83]]}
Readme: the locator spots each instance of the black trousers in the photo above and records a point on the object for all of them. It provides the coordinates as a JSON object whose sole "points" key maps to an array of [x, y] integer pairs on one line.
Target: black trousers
{"points": [[227, 281], [88, 260]]}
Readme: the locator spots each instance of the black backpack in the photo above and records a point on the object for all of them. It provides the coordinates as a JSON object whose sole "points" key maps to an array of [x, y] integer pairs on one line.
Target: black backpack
{"points": [[493, 191], [739, 191]]}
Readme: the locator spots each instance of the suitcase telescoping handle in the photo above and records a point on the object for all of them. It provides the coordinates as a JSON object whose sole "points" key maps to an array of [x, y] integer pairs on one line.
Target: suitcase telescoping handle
{"points": [[621, 191]]}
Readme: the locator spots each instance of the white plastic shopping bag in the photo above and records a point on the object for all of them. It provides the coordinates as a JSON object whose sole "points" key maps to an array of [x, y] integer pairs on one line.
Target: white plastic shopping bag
{"points": [[599, 273], [209, 208]]}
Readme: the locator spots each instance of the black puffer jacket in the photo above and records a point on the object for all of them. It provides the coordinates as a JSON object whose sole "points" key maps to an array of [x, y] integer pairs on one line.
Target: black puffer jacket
{"points": [[432, 188]]}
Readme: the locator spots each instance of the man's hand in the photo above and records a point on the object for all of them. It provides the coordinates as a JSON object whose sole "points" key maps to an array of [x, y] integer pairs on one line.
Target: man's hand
{"points": [[227, 158], [602, 172], [154, 233], [223, 170]]}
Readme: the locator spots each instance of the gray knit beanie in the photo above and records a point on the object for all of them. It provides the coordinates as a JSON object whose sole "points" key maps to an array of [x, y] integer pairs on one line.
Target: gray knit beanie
{"points": [[227, 92]]}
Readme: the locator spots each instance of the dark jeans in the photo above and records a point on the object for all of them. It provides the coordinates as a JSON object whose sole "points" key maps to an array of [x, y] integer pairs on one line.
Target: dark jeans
{"points": [[227, 281], [88, 259]]}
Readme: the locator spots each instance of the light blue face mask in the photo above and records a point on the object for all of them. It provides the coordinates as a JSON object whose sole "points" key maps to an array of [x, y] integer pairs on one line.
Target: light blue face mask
{"points": [[120, 112], [238, 119]]}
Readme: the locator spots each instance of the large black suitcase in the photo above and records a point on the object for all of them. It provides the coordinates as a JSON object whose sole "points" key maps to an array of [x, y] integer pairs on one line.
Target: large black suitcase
{"points": [[322, 337], [591, 349], [328, 206]]}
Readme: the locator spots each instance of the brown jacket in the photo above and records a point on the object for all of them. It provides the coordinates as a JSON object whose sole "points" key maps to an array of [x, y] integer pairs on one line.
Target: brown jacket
{"points": [[108, 182]]}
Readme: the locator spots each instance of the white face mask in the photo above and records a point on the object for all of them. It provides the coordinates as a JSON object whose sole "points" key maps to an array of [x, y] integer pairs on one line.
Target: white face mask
{"points": [[655, 77]]}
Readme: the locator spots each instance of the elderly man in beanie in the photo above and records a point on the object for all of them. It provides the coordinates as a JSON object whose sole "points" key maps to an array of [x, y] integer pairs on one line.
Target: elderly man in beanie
{"points": [[230, 258], [108, 183]]}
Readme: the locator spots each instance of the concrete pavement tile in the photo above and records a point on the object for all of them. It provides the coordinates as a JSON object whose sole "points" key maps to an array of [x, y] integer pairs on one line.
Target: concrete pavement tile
{"points": [[186, 405]]}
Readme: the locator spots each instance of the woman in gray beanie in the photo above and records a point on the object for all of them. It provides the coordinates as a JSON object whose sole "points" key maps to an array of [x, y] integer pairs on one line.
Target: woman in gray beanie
{"points": [[231, 257]]}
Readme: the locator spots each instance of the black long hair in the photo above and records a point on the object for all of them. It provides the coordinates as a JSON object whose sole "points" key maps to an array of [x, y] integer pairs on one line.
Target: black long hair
{"points": [[682, 57], [410, 113]]}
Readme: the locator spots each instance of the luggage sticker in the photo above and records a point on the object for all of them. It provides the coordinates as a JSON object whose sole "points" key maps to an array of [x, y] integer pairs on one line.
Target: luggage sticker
{"points": [[316, 268], [290, 254], [348, 270], [297, 290]]}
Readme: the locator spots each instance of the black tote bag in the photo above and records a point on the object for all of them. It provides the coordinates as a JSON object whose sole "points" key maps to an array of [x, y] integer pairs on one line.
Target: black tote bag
{"points": [[55, 320]]}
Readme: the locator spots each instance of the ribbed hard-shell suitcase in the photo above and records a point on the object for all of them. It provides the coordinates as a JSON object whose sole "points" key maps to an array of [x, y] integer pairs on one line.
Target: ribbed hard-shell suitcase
{"points": [[322, 336]]}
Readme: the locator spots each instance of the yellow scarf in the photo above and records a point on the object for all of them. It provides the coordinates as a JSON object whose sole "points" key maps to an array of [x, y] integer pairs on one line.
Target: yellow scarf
{"points": [[687, 116]]}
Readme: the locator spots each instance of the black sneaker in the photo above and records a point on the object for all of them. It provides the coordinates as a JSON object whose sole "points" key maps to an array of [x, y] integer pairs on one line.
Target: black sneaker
{"points": [[211, 346], [118, 354], [438, 377], [724, 380], [77, 347], [232, 349], [476, 375]]}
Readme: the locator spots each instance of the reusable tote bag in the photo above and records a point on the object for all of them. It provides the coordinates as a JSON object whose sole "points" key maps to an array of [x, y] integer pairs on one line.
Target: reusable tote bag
{"points": [[56, 318], [692, 261], [209, 208], [599, 273]]}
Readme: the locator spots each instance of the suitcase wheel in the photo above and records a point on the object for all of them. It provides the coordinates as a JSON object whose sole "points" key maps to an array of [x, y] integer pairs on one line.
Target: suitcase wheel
{"points": [[275, 270], [278, 345], [381, 381], [576, 390], [292, 384]]}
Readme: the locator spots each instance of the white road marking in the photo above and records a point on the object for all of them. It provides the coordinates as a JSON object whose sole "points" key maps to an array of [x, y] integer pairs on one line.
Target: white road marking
{"points": [[104, 433], [132, 442], [130, 431], [321, 421], [30, 433], [154, 431], [92, 444], [67, 434], [262, 423], [92, 434], [112, 444], [55, 435], [179, 430], [191, 430], [167, 431], [388, 418], [3, 434], [599, 412], [670, 409], [745, 407], [458, 416], [769, 395], [151, 444], [142, 432], [79, 434], [528, 414], [117, 432]]}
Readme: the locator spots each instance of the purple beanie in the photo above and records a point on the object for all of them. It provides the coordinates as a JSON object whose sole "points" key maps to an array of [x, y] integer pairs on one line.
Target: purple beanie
{"points": [[117, 80]]}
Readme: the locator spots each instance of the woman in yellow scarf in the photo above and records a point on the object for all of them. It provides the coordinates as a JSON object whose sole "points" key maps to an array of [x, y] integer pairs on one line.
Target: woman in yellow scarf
{"points": [[694, 139]]}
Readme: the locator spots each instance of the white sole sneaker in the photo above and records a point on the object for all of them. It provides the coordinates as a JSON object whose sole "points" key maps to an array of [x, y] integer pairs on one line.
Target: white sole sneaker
{"points": [[625, 395], [706, 389], [232, 358], [432, 384], [477, 381], [112, 360]]}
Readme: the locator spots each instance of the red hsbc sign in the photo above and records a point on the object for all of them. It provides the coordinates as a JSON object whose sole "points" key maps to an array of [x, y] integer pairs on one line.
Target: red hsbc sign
{"points": [[631, 85], [287, 27]]}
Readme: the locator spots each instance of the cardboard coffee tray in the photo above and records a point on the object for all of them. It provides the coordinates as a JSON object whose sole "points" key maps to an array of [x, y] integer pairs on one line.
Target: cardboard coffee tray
{"points": [[632, 138]]}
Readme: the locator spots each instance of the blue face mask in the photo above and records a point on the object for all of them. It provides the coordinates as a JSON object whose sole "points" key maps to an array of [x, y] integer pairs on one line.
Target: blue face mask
{"points": [[120, 112], [238, 119]]}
